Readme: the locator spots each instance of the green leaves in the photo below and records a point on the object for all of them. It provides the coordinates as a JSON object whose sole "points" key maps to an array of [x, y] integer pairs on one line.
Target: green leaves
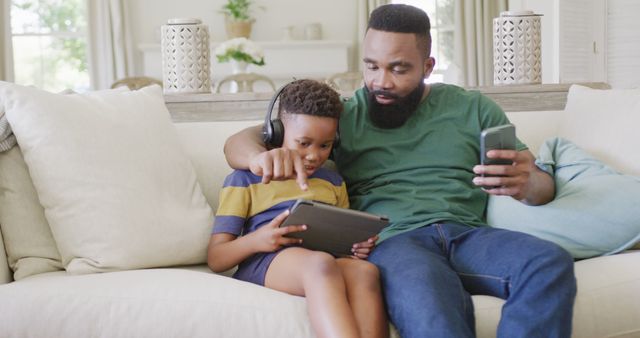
{"points": [[238, 9], [239, 56], [240, 49]]}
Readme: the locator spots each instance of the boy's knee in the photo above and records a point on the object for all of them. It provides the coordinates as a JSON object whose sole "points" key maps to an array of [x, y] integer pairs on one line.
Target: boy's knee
{"points": [[368, 270], [321, 264], [366, 274]]}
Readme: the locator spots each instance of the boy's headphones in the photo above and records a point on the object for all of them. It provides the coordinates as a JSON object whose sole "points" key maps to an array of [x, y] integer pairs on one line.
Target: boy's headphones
{"points": [[273, 130]]}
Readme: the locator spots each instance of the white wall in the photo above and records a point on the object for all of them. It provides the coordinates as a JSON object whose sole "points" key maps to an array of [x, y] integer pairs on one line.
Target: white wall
{"points": [[338, 18], [339, 22]]}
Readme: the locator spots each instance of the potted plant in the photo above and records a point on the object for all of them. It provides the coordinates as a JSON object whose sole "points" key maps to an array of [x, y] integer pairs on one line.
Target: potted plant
{"points": [[238, 20]]}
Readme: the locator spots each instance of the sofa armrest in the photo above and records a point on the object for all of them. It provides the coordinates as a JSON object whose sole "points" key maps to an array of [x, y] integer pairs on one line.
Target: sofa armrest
{"points": [[5, 272]]}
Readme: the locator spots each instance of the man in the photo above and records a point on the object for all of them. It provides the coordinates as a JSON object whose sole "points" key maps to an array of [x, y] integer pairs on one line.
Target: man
{"points": [[410, 151]]}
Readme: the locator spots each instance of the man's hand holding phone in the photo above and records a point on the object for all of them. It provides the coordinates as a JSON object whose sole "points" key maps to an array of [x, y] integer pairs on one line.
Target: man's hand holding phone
{"points": [[498, 160], [506, 171]]}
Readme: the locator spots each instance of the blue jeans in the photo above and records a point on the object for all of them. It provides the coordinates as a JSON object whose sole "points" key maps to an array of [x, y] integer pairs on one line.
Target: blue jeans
{"points": [[429, 274]]}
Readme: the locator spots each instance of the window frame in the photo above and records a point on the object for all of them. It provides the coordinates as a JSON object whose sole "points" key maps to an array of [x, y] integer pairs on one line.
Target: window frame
{"points": [[9, 35], [6, 45], [435, 31]]}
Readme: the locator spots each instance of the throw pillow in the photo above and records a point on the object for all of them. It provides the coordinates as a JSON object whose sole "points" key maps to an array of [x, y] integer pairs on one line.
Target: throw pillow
{"points": [[595, 211], [30, 246], [118, 190], [604, 123], [29, 243]]}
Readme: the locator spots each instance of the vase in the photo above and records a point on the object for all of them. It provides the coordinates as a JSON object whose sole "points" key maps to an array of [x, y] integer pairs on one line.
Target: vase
{"points": [[185, 57], [517, 48], [239, 67]]}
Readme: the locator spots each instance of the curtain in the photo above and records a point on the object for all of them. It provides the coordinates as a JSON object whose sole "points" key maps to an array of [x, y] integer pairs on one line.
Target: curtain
{"points": [[111, 48], [365, 7], [6, 69], [473, 41]]}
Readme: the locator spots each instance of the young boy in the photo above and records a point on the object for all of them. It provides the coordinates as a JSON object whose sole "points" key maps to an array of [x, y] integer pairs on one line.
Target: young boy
{"points": [[343, 294]]}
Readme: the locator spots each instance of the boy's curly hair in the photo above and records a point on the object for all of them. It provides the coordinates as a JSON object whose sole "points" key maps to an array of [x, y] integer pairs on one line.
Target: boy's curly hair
{"points": [[310, 97]]}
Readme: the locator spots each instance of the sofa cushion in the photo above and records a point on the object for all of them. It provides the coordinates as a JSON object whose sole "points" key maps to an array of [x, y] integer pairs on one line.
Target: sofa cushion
{"points": [[604, 123], [148, 303], [593, 213], [118, 190], [30, 246], [193, 302], [608, 299]]}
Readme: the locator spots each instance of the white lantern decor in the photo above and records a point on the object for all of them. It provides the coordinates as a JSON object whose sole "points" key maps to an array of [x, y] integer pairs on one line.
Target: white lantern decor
{"points": [[185, 57], [517, 48]]}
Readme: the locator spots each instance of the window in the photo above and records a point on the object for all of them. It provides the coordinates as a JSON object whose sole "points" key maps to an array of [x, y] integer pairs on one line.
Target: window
{"points": [[441, 16], [49, 43]]}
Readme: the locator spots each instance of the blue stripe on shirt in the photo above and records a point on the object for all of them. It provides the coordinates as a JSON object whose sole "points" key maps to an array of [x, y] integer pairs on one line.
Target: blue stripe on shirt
{"points": [[228, 224]]}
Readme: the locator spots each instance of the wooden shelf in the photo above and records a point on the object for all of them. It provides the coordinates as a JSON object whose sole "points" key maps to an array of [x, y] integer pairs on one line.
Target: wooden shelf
{"points": [[252, 106], [533, 97]]}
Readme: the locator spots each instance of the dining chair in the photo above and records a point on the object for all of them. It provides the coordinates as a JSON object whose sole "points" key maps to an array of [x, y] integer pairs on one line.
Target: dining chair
{"points": [[345, 80], [244, 82], [136, 82]]}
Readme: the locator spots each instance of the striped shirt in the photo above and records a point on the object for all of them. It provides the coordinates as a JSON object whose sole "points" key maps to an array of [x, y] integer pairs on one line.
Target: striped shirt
{"points": [[246, 203]]}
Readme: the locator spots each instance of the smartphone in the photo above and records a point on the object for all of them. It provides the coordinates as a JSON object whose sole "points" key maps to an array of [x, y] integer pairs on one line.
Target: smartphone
{"points": [[500, 137]]}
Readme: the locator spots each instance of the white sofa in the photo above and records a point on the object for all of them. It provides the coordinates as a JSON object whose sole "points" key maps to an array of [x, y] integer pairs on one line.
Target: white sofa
{"points": [[191, 301]]}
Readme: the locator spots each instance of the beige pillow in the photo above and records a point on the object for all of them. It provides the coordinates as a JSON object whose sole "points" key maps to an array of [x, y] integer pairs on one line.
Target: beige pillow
{"points": [[28, 241], [118, 190], [605, 124]]}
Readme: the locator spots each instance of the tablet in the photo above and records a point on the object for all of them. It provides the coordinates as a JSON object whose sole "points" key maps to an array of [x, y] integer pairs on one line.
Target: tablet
{"points": [[332, 229]]}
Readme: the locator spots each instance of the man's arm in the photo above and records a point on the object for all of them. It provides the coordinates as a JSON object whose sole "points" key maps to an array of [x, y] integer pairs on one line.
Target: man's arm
{"points": [[245, 150], [242, 146], [522, 180]]}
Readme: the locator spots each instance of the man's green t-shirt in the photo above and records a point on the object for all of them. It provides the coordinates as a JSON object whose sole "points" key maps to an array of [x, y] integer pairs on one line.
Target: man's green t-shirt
{"points": [[421, 172]]}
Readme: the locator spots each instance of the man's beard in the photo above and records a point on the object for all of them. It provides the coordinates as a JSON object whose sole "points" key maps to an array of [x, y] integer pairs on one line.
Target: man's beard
{"points": [[389, 116]]}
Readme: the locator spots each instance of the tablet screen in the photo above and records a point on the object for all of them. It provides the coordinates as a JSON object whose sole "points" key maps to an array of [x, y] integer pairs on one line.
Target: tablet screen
{"points": [[332, 229]]}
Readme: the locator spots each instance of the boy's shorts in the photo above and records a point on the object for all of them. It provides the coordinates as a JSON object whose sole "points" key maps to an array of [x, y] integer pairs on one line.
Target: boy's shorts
{"points": [[254, 269]]}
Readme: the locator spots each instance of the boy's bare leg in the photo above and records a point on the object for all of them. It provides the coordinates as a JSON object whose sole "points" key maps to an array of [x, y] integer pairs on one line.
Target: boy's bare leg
{"points": [[365, 297], [317, 276]]}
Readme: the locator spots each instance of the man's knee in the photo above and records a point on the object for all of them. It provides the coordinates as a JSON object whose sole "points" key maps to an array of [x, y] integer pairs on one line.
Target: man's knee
{"points": [[562, 264], [558, 258], [553, 266]]}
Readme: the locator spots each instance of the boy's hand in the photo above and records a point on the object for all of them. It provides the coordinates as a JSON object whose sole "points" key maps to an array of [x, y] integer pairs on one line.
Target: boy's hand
{"points": [[279, 164], [363, 249], [270, 237]]}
